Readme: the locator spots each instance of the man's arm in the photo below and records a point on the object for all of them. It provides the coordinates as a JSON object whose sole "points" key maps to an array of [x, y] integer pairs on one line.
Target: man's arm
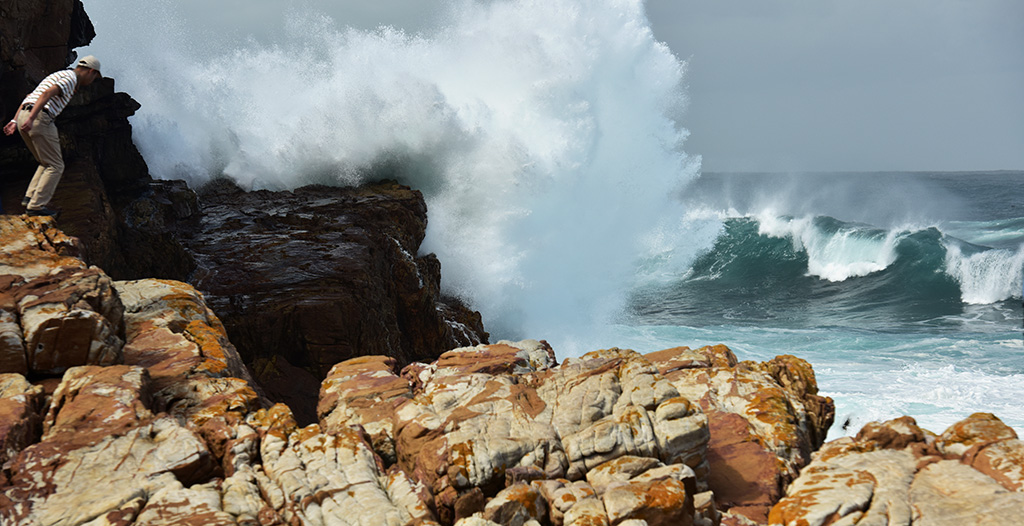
{"points": [[37, 107]]}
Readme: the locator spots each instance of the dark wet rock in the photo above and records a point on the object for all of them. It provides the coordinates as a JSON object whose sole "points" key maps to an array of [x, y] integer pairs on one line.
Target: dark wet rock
{"points": [[323, 274]]}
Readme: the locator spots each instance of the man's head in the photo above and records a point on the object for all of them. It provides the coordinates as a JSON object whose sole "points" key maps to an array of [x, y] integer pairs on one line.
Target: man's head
{"points": [[88, 69]]}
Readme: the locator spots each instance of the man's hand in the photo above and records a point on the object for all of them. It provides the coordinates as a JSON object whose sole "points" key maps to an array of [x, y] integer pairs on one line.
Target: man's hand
{"points": [[10, 127], [27, 125]]}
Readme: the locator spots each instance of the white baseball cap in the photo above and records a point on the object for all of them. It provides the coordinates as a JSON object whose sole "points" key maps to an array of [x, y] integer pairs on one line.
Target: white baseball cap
{"points": [[91, 62]]}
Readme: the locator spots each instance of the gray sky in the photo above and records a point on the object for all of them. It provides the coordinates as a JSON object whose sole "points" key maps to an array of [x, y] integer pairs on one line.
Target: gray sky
{"points": [[793, 85], [851, 85]]}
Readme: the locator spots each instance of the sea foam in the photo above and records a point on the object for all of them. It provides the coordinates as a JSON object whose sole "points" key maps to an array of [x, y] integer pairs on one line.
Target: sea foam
{"points": [[545, 135], [988, 276]]}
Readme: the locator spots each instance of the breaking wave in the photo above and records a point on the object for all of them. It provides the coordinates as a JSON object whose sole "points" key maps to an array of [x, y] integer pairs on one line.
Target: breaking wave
{"points": [[545, 135]]}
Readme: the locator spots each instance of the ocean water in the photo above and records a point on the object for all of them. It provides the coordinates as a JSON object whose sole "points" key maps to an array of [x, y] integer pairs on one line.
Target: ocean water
{"points": [[902, 289], [549, 140]]}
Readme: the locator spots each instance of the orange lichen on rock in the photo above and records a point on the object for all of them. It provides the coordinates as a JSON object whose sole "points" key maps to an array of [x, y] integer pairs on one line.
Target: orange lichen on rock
{"points": [[211, 346]]}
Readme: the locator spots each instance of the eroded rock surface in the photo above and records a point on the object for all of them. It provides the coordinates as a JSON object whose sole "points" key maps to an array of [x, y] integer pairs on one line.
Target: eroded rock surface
{"points": [[55, 312], [604, 438], [175, 431], [896, 473], [765, 419]]}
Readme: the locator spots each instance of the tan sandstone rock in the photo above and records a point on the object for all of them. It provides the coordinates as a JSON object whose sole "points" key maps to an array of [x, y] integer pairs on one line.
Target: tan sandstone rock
{"points": [[196, 372], [336, 479], [21, 405], [764, 420], [896, 473], [483, 418]]}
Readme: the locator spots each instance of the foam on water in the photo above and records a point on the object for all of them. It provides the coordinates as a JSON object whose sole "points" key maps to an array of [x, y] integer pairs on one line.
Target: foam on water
{"points": [[545, 136], [937, 397], [988, 276], [871, 376]]}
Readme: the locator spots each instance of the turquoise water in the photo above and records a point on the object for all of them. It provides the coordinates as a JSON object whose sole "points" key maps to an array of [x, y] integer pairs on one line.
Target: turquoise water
{"points": [[902, 289]]}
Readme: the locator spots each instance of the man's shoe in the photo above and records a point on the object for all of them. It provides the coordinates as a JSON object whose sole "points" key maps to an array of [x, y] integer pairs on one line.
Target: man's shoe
{"points": [[44, 212], [25, 201]]}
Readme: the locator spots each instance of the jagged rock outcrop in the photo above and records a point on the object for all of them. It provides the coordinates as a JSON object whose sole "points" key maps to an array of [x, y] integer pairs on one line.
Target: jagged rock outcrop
{"points": [[896, 473], [178, 431], [308, 278]]}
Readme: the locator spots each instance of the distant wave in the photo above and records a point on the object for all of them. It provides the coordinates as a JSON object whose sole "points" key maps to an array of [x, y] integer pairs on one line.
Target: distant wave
{"points": [[821, 271], [836, 251], [908, 259]]}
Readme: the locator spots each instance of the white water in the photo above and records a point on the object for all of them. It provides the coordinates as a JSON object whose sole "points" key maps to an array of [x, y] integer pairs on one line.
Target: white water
{"points": [[834, 256], [544, 134], [986, 277]]}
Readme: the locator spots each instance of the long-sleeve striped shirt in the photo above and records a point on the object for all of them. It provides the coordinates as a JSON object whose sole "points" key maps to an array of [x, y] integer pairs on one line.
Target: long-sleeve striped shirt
{"points": [[66, 79]]}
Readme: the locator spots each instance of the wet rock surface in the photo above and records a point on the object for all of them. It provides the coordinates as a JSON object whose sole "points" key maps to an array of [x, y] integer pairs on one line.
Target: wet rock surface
{"points": [[308, 278]]}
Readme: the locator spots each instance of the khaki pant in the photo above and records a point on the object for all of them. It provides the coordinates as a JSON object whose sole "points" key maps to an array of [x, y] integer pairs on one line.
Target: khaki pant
{"points": [[44, 143]]}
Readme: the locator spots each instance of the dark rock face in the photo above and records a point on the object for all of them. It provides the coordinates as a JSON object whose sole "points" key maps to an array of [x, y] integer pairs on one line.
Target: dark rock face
{"points": [[36, 38], [303, 280], [126, 220]]}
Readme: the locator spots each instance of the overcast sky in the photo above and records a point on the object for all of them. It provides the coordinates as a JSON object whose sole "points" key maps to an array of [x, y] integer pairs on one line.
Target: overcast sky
{"points": [[794, 85]]}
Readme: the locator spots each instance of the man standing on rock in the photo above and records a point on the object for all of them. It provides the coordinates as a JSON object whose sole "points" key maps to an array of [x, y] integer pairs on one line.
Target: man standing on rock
{"points": [[34, 121]]}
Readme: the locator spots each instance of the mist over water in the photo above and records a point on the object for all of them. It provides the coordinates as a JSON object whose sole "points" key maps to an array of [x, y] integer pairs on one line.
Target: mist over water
{"points": [[545, 136]]}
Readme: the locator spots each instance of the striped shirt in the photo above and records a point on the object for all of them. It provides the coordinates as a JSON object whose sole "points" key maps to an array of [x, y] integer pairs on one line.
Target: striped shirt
{"points": [[66, 79]]}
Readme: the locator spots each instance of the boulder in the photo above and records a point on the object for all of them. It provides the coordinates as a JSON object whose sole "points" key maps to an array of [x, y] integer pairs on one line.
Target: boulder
{"points": [[322, 274], [334, 478], [99, 427], [899, 474], [764, 420], [55, 312]]}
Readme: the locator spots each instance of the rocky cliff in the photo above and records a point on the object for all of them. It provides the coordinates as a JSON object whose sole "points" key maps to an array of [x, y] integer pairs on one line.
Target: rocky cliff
{"points": [[306, 279]]}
